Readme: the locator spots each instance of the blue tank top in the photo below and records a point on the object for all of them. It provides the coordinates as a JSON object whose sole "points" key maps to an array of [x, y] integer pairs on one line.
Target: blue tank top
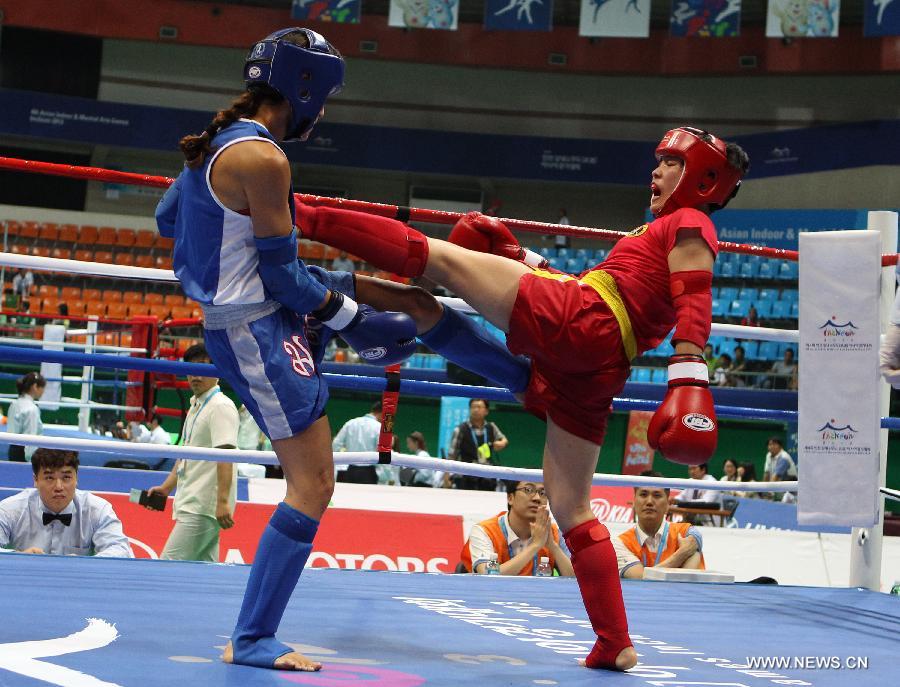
{"points": [[215, 256]]}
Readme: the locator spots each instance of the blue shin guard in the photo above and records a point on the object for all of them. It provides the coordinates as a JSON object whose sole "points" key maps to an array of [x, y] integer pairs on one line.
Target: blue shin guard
{"points": [[282, 552], [461, 340]]}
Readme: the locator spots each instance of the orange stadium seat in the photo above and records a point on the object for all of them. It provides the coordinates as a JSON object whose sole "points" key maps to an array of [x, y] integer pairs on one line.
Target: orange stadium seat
{"points": [[103, 256], [144, 239], [50, 304], [173, 299], [29, 230], [117, 311], [91, 294], [92, 308], [68, 233], [125, 237], [13, 227], [19, 249], [132, 297], [71, 293], [87, 234], [124, 259], [135, 309], [49, 232], [143, 260], [153, 298], [111, 296], [331, 253], [84, 255], [64, 253], [164, 262], [182, 312], [106, 236], [76, 306], [163, 242], [159, 311], [40, 251], [47, 290]]}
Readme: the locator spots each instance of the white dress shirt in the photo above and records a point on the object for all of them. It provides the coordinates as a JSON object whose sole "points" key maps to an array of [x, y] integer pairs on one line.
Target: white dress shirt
{"points": [[361, 434], [94, 530], [160, 436], [24, 417]]}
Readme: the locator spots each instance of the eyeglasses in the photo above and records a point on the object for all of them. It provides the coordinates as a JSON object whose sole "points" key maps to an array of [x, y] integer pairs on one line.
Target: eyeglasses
{"points": [[531, 491]]}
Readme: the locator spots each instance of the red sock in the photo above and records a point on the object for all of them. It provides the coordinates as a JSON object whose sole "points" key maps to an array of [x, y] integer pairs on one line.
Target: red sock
{"points": [[386, 243], [594, 560]]}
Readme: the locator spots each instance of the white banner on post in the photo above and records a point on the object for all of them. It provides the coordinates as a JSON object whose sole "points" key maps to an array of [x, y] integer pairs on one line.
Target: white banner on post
{"points": [[839, 424], [54, 337]]}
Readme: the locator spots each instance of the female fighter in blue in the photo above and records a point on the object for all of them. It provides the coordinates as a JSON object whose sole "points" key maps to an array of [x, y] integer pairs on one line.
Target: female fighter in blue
{"points": [[267, 315]]}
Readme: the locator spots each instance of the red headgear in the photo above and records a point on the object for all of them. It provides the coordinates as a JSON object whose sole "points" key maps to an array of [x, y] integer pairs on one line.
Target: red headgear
{"points": [[707, 176]]}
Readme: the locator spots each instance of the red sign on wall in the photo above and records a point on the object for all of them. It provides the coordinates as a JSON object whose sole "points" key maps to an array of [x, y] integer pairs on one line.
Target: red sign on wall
{"points": [[638, 454], [353, 539]]}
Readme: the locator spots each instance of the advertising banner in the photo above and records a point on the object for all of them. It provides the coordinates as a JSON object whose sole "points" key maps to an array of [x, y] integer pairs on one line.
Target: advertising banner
{"points": [[615, 18], [638, 454], [839, 423], [803, 18]]}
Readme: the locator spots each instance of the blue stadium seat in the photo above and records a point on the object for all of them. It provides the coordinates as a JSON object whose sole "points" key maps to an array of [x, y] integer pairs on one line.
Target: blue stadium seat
{"points": [[547, 252], [640, 374], [768, 294], [728, 347], [728, 293], [726, 269], [782, 347], [659, 375], [564, 253], [785, 270], [751, 349], [766, 270], [768, 350], [718, 307], [585, 253], [781, 310], [575, 265], [715, 291], [600, 254], [556, 263], [763, 309], [748, 293], [749, 270], [715, 342], [795, 310], [739, 308], [790, 295]]}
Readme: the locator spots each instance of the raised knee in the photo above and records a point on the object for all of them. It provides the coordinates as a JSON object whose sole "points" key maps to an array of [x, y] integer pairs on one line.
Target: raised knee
{"points": [[421, 306]]}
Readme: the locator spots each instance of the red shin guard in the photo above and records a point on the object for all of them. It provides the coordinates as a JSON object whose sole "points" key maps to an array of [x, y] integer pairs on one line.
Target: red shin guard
{"points": [[594, 560], [386, 243]]}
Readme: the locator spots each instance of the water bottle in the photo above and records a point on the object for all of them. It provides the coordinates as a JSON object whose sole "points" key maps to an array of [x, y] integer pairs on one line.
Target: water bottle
{"points": [[895, 589], [543, 569], [493, 567]]}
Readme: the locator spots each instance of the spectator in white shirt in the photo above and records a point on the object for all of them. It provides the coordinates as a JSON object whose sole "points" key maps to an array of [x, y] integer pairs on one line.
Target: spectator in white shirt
{"points": [[342, 263], [158, 435], [24, 417], [415, 444], [57, 518], [695, 494], [360, 434], [22, 283]]}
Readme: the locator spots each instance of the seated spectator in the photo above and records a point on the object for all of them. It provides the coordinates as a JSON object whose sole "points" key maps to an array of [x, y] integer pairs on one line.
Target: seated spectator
{"points": [[158, 435], [710, 357], [22, 283], [520, 536], [359, 434], [782, 371], [63, 312], [654, 542], [730, 468], [747, 473], [411, 477], [779, 467], [55, 517], [752, 318], [721, 375], [738, 368], [138, 432], [343, 263], [689, 496], [10, 299]]}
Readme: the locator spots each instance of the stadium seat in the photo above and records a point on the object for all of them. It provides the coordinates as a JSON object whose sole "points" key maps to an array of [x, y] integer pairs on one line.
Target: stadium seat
{"points": [[173, 299], [84, 255], [91, 295], [125, 238], [164, 262], [68, 233], [111, 296], [766, 270], [790, 295], [557, 263], [159, 311], [49, 305], [13, 227], [153, 298], [763, 309], [143, 260], [748, 293], [87, 234], [76, 307], [718, 307], [45, 290], [659, 375], [728, 347], [95, 308], [795, 310], [738, 308], [768, 294], [106, 236], [725, 269], [728, 293], [135, 309], [144, 239], [62, 253], [751, 349], [29, 230], [132, 297], [182, 312], [585, 253], [18, 248], [117, 311], [546, 252], [40, 251], [564, 253], [71, 293], [600, 255], [640, 374], [331, 253], [575, 265], [125, 259], [49, 232], [749, 270], [768, 350], [104, 256]]}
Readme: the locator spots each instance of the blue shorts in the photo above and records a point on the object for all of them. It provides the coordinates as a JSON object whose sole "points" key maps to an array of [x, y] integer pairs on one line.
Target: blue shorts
{"points": [[273, 363]]}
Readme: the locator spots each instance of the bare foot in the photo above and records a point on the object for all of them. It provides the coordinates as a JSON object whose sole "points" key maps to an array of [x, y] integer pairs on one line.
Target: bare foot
{"points": [[626, 659], [290, 661]]}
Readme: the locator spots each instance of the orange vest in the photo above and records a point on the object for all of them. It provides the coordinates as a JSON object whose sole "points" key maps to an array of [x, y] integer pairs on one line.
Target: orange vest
{"points": [[493, 529], [676, 529]]}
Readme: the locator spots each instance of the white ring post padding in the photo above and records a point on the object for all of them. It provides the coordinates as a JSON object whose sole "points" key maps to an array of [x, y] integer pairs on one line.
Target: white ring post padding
{"points": [[101, 269], [221, 455]]}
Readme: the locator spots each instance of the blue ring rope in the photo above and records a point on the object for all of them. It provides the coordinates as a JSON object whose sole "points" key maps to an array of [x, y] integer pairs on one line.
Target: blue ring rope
{"points": [[337, 381]]}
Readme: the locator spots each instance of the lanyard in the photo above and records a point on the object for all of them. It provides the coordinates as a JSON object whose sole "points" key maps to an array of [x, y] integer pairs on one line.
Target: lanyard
{"points": [[197, 414], [534, 563], [475, 437], [659, 549]]}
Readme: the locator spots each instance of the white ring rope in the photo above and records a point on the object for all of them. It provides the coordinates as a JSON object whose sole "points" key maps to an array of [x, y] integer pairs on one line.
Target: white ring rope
{"points": [[101, 269], [371, 458], [54, 345], [74, 403]]}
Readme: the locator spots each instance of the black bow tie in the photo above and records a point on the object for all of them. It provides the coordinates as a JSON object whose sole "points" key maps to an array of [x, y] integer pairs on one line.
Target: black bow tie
{"points": [[64, 518]]}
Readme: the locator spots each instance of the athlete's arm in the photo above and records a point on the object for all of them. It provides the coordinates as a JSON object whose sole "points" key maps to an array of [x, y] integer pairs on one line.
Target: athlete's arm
{"points": [[690, 254]]}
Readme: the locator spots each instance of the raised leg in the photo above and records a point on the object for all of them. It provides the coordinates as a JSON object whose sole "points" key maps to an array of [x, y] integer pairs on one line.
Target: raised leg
{"points": [[283, 550], [569, 464]]}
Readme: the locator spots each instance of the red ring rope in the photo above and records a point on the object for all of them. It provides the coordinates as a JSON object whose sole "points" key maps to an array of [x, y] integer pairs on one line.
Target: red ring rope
{"points": [[382, 209]]}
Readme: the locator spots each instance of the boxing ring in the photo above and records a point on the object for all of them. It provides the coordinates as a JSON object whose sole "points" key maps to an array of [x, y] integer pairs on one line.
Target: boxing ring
{"points": [[167, 621]]}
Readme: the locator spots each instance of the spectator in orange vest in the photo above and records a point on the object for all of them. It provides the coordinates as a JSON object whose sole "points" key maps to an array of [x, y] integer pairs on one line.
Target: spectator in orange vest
{"points": [[520, 536], [653, 541]]}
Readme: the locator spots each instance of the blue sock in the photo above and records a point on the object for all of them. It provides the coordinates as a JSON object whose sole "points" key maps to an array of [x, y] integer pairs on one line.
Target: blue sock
{"points": [[461, 340], [282, 552]]}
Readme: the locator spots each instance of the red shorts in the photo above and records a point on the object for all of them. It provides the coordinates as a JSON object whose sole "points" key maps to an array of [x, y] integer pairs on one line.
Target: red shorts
{"points": [[578, 361]]}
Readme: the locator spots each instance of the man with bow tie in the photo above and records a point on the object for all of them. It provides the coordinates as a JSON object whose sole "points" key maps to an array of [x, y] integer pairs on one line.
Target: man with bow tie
{"points": [[56, 517]]}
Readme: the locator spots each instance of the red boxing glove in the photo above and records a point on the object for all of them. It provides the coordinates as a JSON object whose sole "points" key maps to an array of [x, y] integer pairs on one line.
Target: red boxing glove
{"points": [[489, 235], [684, 427]]}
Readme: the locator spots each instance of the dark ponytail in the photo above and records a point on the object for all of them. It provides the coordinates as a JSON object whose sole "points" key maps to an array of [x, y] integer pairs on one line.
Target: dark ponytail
{"points": [[24, 384], [196, 146]]}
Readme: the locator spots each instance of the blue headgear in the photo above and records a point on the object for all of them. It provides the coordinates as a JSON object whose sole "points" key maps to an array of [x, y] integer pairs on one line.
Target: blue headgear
{"points": [[305, 77]]}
